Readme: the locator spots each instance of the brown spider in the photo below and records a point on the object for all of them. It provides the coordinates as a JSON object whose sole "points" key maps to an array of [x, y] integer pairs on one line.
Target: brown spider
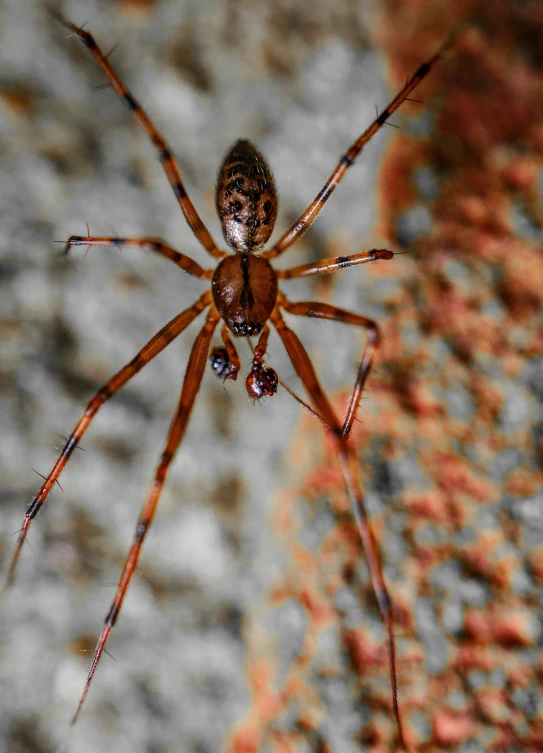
{"points": [[244, 295]]}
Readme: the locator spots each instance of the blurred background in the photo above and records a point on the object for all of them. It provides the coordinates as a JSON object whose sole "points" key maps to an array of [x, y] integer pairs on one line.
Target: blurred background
{"points": [[251, 624]]}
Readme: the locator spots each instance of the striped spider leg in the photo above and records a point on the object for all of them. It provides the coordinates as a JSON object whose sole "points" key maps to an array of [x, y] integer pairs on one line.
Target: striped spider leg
{"points": [[244, 295]]}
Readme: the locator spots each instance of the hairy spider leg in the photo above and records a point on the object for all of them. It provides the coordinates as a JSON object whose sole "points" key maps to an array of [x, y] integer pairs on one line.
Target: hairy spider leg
{"points": [[340, 431], [155, 345], [261, 347], [308, 215], [155, 245], [233, 358], [191, 385], [333, 264], [164, 154], [316, 310]]}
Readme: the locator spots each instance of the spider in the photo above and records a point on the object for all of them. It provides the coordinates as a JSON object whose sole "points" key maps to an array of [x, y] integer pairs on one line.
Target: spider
{"points": [[244, 296]]}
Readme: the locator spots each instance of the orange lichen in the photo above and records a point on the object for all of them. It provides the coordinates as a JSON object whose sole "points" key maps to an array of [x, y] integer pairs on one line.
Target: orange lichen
{"points": [[430, 506], [396, 182], [260, 677], [470, 657], [365, 653], [493, 703], [321, 612], [536, 562], [499, 624], [451, 728], [456, 476]]}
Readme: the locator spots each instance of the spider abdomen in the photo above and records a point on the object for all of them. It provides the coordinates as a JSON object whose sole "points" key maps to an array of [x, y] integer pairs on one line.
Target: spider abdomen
{"points": [[244, 291], [246, 197]]}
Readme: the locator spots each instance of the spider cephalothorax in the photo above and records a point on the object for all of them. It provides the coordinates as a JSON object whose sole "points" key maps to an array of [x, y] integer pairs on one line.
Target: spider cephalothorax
{"points": [[244, 290]]}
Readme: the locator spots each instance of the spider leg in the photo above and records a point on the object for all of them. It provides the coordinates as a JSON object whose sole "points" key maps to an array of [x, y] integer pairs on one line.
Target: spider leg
{"points": [[191, 385], [233, 358], [261, 347], [334, 263], [304, 368], [317, 310], [349, 468], [308, 215], [155, 345], [149, 244], [164, 154]]}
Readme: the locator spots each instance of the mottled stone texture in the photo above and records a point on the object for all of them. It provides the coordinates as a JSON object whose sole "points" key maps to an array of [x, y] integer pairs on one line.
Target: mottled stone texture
{"points": [[252, 626]]}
